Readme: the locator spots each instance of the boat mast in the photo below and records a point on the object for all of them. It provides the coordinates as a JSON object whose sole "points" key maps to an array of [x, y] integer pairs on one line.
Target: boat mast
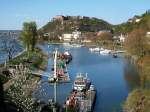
{"points": [[55, 77], [55, 64]]}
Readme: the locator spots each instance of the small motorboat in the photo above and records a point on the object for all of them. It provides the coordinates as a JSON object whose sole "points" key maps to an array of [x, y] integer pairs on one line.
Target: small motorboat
{"points": [[115, 55], [105, 52]]}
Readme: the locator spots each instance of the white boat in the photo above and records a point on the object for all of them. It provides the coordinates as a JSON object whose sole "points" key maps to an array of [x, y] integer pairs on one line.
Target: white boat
{"points": [[105, 51], [83, 101], [92, 88], [76, 45], [81, 82], [96, 49]]}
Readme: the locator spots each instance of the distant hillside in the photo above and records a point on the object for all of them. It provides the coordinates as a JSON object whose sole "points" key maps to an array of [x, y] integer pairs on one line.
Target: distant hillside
{"points": [[67, 24], [141, 21]]}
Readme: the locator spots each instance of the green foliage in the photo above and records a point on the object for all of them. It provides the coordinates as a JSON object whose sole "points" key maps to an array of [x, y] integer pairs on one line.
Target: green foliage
{"points": [[20, 91], [36, 59], [3, 78], [29, 35], [68, 26], [129, 26]]}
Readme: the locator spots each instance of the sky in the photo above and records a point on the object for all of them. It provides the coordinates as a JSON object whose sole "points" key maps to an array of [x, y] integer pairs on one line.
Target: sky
{"points": [[14, 12]]}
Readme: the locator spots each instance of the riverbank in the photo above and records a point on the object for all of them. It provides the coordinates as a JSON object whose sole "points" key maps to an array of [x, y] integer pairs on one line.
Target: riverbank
{"points": [[19, 88], [138, 100], [34, 60]]}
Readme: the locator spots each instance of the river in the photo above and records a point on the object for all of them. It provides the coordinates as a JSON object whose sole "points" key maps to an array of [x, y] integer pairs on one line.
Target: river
{"points": [[113, 78], [9, 43]]}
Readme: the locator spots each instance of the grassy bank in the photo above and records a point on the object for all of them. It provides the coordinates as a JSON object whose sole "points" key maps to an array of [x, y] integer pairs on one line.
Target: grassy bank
{"points": [[34, 60]]}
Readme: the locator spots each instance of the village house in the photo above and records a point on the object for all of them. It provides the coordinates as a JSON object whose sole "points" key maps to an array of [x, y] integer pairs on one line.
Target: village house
{"points": [[67, 37], [120, 38], [74, 36], [135, 19]]}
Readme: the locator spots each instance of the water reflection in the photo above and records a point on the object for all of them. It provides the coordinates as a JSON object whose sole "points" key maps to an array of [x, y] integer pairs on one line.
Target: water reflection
{"points": [[6, 41], [131, 75], [112, 77]]}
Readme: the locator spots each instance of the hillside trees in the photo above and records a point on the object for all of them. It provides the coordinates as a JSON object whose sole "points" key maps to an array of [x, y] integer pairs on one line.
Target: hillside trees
{"points": [[29, 35], [136, 42], [104, 38]]}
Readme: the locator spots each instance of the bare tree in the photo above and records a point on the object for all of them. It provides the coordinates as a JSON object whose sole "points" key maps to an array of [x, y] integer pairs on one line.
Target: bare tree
{"points": [[10, 47], [105, 36], [136, 42]]}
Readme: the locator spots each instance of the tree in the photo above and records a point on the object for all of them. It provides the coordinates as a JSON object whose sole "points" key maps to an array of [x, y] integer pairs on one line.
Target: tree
{"points": [[144, 64], [148, 24], [10, 47], [105, 36], [136, 42], [29, 35], [20, 90]]}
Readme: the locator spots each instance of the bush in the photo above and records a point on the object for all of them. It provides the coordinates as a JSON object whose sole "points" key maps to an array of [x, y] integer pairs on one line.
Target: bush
{"points": [[138, 101], [3, 78]]}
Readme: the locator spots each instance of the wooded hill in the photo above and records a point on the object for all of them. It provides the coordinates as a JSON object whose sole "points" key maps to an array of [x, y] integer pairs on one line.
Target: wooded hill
{"points": [[68, 24], [137, 22]]}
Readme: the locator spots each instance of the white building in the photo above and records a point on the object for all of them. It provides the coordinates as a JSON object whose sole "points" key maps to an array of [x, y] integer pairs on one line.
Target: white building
{"points": [[67, 37], [76, 35], [120, 38]]}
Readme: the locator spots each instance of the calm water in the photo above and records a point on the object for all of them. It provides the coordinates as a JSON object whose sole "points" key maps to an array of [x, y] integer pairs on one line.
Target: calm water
{"points": [[10, 42], [113, 78]]}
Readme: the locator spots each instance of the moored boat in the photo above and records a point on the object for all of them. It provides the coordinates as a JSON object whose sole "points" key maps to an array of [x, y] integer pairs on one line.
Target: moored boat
{"points": [[60, 74], [115, 55], [81, 101], [97, 49], [66, 56], [81, 82], [105, 52], [94, 49]]}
